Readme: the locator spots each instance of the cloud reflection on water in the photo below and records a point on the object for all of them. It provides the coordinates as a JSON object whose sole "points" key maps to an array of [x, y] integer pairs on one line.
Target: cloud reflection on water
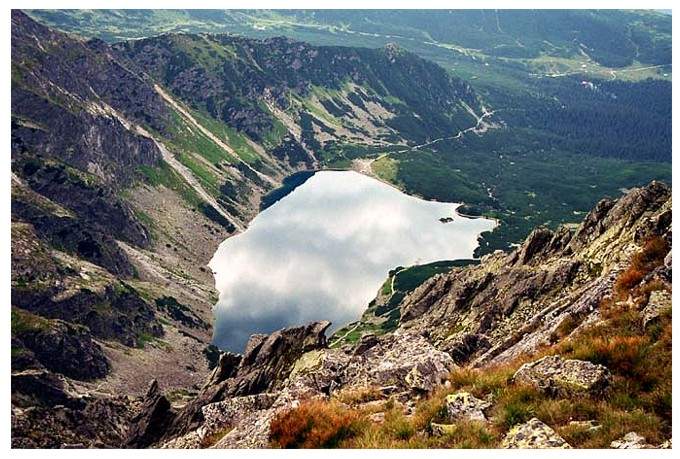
{"points": [[323, 251]]}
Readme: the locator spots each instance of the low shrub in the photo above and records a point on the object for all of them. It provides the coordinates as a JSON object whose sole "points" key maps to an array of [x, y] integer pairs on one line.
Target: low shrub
{"points": [[315, 424]]}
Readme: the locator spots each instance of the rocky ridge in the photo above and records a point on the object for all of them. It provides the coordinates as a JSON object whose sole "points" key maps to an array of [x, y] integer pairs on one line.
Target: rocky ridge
{"points": [[551, 277]]}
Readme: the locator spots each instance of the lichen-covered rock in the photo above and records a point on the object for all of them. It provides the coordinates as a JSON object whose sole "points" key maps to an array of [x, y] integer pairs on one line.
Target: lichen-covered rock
{"points": [[533, 434], [406, 361], [268, 362], [668, 444], [555, 375], [98, 422], [659, 302], [231, 410], [439, 430], [265, 366], [377, 418], [366, 342], [221, 418], [190, 440], [252, 432], [464, 347], [518, 300], [316, 372], [463, 405], [632, 440], [535, 244]]}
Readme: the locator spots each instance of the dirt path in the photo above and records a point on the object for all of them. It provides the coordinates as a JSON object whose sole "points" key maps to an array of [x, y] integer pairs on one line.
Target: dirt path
{"points": [[340, 338], [613, 73], [479, 127], [184, 171], [210, 135]]}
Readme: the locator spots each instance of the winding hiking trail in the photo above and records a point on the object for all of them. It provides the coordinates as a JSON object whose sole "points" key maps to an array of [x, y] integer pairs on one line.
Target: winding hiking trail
{"points": [[612, 72], [480, 127], [364, 165]]}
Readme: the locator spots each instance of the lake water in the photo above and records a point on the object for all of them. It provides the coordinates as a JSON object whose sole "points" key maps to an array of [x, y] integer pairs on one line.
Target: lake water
{"points": [[323, 251]]}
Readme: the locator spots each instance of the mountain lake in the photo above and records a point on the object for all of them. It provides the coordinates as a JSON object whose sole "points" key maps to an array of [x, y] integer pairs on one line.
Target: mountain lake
{"points": [[323, 251]]}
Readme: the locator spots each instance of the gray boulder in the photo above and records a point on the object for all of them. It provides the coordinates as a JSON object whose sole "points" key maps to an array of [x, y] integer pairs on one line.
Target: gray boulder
{"points": [[533, 434], [463, 405], [407, 363], [632, 440], [659, 302]]}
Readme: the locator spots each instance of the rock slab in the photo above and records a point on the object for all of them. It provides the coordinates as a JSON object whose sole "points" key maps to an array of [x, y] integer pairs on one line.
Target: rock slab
{"points": [[557, 376]]}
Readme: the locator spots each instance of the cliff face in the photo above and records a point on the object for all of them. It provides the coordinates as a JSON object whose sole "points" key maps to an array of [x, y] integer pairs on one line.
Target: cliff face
{"points": [[511, 304], [548, 292], [80, 236], [331, 94]]}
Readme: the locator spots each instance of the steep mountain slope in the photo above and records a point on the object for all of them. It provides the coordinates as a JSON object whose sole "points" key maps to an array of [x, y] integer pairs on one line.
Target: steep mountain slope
{"points": [[527, 63], [588, 308], [126, 176], [340, 94], [85, 248]]}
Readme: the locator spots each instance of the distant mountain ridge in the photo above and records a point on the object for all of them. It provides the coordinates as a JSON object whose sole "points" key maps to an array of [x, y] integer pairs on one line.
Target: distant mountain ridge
{"points": [[510, 33]]}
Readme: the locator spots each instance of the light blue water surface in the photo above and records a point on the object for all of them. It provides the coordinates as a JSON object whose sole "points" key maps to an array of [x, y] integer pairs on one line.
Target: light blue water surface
{"points": [[323, 251]]}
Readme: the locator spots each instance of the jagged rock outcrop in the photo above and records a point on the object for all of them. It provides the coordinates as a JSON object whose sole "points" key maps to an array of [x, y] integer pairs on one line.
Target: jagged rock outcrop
{"points": [[265, 365], [49, 412], [268, 361], [406, 363], [533, 434], [62, 347], [40, 387], [406, 367], [476, 316], [227, 367], [465, 347], [150, 423], [555, 375], [101, 423]]}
